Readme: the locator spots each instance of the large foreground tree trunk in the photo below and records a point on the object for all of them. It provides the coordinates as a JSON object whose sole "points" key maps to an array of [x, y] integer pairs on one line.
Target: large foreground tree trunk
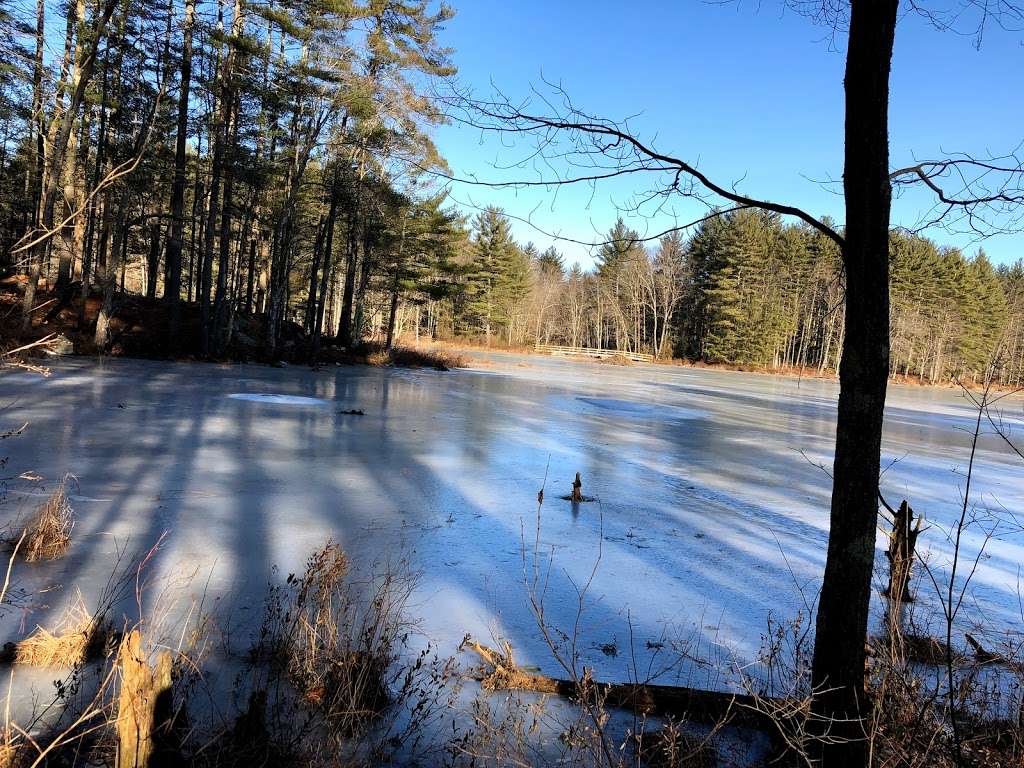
{"points": [[839, 654]]}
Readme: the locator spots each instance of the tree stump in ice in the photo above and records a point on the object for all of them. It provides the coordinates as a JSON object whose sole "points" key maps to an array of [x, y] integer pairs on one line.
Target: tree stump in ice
{"points": [[902, 540], [577, 489], [144, 705]]}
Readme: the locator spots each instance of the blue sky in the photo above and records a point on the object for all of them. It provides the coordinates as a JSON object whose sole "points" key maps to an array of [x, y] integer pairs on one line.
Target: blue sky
{"points": [[752, 92]]}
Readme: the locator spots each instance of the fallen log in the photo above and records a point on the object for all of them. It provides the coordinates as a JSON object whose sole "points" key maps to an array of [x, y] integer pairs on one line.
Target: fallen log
{"points": [[770, 716]]}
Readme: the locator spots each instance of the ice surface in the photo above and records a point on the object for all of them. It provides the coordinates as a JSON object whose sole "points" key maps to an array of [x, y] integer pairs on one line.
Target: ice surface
{"points": [[261, 397], [711, 513]]}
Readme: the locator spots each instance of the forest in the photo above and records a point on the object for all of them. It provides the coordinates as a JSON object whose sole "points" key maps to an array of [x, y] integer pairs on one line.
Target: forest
{"points": [[256, 171]]}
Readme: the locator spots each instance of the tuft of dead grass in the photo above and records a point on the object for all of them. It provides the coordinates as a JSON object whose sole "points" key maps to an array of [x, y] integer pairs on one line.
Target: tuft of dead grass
{"points": [[427, 357], [10, 754], [80, 637], [47, 531], [614, 360], [406, 356]]}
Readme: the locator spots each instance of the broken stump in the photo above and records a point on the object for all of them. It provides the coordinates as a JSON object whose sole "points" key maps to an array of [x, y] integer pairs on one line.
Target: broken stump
{"points": [[144, 705], [902, 540], [577, 489]]}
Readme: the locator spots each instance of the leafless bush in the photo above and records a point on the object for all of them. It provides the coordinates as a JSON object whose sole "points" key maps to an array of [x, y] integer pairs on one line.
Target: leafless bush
{"points": [[333, 675], [671, 746]]}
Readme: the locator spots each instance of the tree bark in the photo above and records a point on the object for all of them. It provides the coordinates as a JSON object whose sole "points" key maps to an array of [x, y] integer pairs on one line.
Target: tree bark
{"points": [[153, 260], [102, 336], [327, 270], [175, 235], [351, 260], [144, 704], [314, 271], [839, 653], [57, 141]]}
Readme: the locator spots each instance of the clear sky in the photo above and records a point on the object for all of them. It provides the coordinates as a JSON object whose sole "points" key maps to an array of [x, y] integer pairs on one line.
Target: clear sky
{"points": [[753, 92]]}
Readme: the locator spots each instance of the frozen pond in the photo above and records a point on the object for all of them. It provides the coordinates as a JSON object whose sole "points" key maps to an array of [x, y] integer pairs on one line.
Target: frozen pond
{"points": [[711, 510]]}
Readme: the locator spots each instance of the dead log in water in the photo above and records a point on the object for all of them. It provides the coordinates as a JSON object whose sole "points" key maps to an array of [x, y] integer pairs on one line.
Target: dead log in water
{"points": [[771, 716], [902, 541]]}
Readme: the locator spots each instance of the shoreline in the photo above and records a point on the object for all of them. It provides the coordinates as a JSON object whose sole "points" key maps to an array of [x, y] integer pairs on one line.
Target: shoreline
{"points": [[911, 382]]}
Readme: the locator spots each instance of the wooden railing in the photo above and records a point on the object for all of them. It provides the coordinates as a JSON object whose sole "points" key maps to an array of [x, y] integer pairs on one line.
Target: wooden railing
{"points": [[553, 349]]}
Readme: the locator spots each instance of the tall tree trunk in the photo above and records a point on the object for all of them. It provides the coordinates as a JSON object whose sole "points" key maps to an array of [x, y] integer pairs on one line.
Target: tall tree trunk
{"points": [[223, 261], [314, 271], [153, 260], [69, 178], [175, 234], [251, 275], [841, 630], [396, 286], [91, 240], [102, 336], [359, 315], [57, 141], [392, 315], [206, 267], [351, 262], [326, 272], [37, 121]]}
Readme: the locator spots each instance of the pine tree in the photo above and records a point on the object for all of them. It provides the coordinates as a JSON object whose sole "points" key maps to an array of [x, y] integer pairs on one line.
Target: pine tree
{"points": [[495, 277]]}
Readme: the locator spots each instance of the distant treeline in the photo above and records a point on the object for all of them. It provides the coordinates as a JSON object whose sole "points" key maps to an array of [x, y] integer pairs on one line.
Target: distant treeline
{"points": [[746, 288]]}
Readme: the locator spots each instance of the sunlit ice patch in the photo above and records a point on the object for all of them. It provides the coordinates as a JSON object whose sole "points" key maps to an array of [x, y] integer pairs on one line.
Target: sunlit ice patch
{"points": [[275, 399]]}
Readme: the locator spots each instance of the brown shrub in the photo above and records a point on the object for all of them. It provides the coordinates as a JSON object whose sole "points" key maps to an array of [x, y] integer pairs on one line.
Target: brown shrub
{"points": [[615, 360], [11, 753], [335, 648], [77, 639], [47, 531], [427, 357]]}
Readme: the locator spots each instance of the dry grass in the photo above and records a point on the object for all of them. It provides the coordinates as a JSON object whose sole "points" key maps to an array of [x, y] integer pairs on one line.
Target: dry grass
{"points": [[427, 357], [337, 637], [79, 637], [671, 747], [48, 529], [10, 754], [334, 661], [416, 356], [614, 360]]}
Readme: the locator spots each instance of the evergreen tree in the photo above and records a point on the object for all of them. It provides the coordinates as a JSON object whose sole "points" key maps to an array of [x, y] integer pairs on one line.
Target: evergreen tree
{"points": [[551, 263], [497, 277]]}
